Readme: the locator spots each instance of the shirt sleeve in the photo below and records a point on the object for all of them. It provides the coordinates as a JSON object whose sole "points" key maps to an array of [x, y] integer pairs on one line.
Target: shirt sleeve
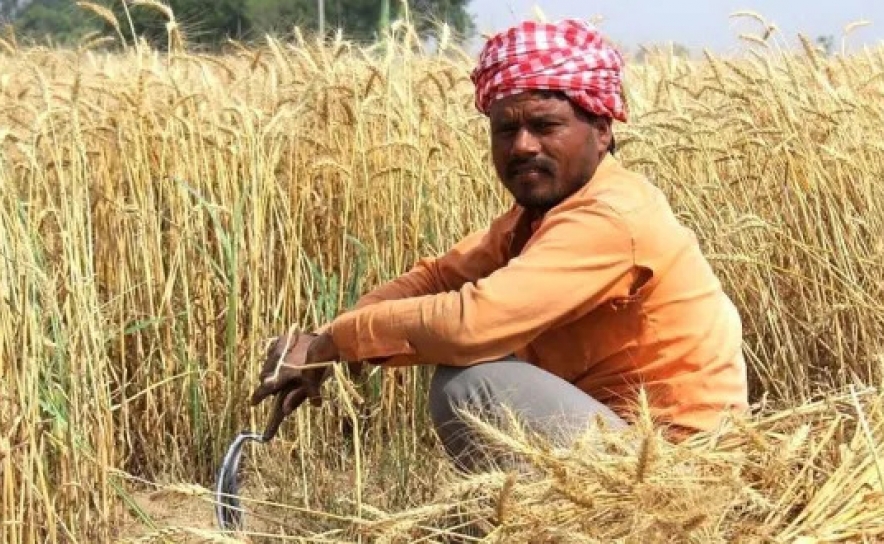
{"points": [[578, 258], [474, 257]]}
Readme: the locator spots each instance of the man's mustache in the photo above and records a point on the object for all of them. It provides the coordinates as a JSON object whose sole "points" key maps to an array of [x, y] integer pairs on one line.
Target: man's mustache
{"points": [[536, 163]]}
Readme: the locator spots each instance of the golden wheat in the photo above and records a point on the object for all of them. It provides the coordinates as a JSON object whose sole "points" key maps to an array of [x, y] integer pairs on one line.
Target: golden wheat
{"points": [[162, 215]]}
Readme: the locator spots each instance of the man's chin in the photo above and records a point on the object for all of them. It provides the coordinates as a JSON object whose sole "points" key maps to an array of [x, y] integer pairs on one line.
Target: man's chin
{"points": [[540, 203]]}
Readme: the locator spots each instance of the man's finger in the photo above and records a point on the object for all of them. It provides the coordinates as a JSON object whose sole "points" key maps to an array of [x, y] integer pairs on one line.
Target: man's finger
{"points": [[278, 414], [276, 417], [294, 399], [313, 394], [277, 350], [270, 387], [260, 393], [271, 363]]}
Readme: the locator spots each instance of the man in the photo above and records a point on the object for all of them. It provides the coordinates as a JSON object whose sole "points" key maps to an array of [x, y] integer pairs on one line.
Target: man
{"points": [[585, 291]]}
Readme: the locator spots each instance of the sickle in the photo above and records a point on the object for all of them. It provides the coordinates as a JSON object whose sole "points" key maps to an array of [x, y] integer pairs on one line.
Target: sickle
{"points": [[228, 512]]}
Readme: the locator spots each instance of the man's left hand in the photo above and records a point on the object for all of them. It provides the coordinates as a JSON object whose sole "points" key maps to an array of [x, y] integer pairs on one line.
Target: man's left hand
{"points": [[288, 373]]}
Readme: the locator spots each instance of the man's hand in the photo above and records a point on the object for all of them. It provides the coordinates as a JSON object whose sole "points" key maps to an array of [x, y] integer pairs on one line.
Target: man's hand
{"points": [[287, 373]]}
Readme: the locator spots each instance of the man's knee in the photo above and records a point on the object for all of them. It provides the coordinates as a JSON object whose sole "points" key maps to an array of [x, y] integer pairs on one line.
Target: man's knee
{"points": [[544, 402], [449, 388], [461, 388], [528, 390], [453, 387]]}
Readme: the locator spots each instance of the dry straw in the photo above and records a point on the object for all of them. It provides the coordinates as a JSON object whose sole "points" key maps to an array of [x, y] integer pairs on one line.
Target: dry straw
{"points": [[812, 474], [156, 228]]}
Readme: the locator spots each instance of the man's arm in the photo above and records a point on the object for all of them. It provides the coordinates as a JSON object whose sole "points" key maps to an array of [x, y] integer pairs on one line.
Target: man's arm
{"points": [[579, 258], [474, 257]]}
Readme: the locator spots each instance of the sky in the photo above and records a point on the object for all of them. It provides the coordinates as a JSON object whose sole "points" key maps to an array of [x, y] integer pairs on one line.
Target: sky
{"points": [[698, 24]]}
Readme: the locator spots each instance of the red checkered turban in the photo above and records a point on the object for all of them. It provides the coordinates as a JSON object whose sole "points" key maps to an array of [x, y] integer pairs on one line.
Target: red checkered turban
{"points": [[570, 56]]}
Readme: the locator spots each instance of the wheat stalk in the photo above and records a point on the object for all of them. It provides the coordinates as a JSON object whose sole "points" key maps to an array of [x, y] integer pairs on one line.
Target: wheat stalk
{"points": [[161, 215]]}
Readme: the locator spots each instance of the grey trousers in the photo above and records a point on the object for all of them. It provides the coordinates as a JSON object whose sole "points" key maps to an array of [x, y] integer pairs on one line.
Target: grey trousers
{"points": [[544, 403]]}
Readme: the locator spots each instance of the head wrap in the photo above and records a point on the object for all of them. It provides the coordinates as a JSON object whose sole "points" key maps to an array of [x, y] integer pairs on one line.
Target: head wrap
{"points": [[569, 56]]}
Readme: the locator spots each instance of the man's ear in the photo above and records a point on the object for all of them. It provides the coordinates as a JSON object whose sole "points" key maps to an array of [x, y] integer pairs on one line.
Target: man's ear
{"points": [[604, 133]]}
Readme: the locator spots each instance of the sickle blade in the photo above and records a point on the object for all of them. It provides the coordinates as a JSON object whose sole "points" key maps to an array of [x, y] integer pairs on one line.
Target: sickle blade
{"points": [[228, 511]]}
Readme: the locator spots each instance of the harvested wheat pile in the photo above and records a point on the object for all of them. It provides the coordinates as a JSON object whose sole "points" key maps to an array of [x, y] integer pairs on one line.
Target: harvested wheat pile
{"points": [[812, 474]]}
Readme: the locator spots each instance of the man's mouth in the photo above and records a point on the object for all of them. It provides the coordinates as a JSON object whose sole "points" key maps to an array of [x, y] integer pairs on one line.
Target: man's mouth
{"points": [[532, 171]]}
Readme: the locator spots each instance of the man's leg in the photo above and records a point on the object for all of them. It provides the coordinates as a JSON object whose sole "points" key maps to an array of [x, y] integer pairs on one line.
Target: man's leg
{"points": [[543, 402]]}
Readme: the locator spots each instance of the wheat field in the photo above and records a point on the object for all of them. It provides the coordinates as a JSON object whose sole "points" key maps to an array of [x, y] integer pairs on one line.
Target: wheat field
{"points": [[162, 214]]}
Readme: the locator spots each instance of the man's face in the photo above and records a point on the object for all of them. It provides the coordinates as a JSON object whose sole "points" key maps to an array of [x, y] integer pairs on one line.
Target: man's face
{"points": [[544, 147]]}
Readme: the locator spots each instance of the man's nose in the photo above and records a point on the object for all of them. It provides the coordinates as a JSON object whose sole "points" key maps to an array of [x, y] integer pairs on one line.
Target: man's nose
{"points": [[525, 143]]}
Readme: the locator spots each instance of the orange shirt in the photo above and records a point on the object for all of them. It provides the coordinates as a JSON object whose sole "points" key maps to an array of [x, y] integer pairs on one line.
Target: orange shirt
{"points": [[609, 292]]}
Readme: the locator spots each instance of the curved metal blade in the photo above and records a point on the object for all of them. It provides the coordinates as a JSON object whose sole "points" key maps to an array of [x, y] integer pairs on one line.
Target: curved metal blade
{"points": [[228, 512]]}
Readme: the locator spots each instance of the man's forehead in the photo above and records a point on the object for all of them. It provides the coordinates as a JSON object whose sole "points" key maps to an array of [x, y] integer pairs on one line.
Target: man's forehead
{"points": [[532, 103]]}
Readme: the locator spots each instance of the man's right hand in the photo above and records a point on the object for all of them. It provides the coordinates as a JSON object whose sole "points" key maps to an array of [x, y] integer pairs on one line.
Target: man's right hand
{"points": [[284, 375]]}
